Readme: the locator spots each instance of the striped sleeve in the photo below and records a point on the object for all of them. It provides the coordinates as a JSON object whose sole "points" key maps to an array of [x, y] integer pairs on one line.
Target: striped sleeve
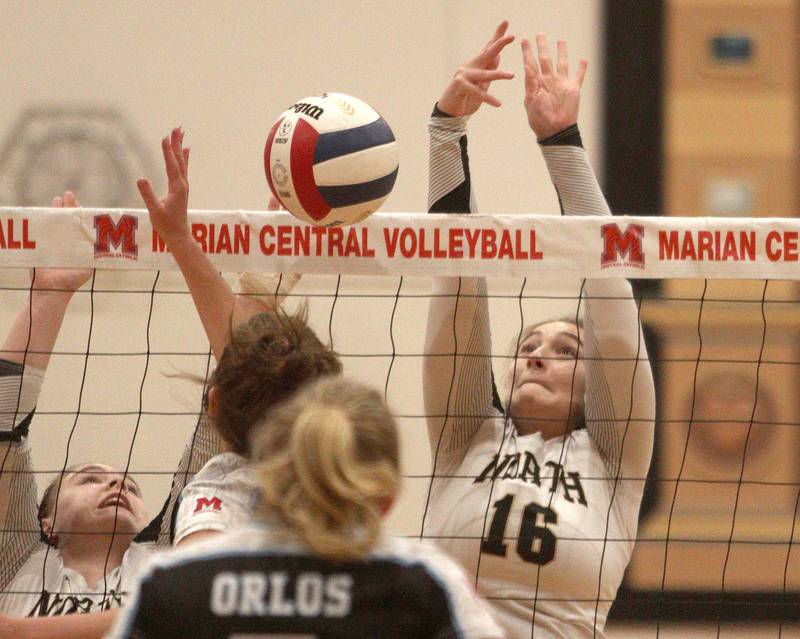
{"points": [[204, 444], [257, 292], [620, 395], [19, 536], [457, 375]]}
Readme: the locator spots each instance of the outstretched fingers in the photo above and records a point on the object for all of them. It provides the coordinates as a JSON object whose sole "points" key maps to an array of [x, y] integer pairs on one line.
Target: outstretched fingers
{"points": [[491, 54], [545, 60], [579, 77], [531, 68], [176, 142], [70, 200], [170, 163], [499, 32], [149, 196], [487, 75], [186, 163], [475, 81], [562, 65], [481, 94]]}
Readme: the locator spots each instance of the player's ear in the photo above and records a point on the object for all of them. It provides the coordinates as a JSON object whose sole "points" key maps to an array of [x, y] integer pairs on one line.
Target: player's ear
{"points": [[213, 401], [387, 504], [47, 532]]}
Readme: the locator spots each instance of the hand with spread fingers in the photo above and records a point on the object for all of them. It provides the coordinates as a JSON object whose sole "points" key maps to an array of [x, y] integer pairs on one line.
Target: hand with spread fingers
{"points": [[61, 279], [551, 96], [170, 216], [469, 87]]}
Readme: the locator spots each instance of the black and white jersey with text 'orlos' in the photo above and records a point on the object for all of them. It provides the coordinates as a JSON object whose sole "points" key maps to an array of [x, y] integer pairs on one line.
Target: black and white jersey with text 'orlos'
{"points": [[252, 582]]}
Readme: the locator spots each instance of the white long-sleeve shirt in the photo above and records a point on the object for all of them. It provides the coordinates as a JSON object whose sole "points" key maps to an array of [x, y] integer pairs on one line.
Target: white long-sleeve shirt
{"points": [[546, 527], [33, 578]]}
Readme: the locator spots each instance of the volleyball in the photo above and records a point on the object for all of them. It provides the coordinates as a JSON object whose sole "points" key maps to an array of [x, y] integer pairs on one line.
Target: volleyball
{"points": [[331, 159]]}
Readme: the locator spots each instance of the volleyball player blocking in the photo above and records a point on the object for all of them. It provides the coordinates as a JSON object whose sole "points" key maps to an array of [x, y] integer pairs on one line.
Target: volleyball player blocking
{"points": [[537, 493]]}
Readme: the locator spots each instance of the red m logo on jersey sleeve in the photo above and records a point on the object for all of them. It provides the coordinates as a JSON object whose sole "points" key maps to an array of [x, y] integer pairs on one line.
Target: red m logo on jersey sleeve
{"points": [[204, 503], [121, 235], [622, 246]]}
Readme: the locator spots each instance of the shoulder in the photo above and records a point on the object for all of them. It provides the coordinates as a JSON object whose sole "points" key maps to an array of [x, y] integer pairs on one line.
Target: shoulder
{"points": [[220, 466], [226, 474], [44, 560]]}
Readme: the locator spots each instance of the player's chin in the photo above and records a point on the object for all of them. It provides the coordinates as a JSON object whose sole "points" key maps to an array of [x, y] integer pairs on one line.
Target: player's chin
{"points": [[121, 522], [541, 406], [530, 399]]}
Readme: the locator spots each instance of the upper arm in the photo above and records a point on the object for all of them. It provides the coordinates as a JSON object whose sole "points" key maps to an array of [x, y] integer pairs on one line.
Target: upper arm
{"points": [[18, 396], [204, 444], [193, 538], [457, 370], [93, 625], [620, 393], [214, 503]]}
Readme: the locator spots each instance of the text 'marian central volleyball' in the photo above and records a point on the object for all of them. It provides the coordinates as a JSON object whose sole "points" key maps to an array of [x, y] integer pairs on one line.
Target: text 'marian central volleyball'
{"points": [[331, 159]]}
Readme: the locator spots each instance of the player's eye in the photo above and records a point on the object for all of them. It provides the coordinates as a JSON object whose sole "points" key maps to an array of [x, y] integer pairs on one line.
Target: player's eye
{"points": [[132, 488], [90, 478], [527, 348]]}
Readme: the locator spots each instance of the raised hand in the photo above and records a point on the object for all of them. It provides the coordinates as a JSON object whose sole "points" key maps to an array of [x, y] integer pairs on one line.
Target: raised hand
{"points": [[170, 216], [551, 96], [61, 279], [469, 87]]}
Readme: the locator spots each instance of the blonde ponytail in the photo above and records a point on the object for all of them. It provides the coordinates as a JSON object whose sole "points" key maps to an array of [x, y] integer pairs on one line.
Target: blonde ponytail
{"points": [[329, 466]]}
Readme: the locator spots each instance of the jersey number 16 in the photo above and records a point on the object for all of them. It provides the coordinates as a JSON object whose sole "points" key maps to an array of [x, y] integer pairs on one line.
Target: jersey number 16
{"points": [[533, 529]]}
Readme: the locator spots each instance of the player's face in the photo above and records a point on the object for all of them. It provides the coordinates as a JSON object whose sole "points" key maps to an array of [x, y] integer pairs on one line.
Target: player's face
{"points": [[547, 379], [94, 498]]}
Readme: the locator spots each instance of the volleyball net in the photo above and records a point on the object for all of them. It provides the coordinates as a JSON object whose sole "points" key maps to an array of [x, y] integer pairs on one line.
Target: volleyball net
{"points": [[718, 299]]}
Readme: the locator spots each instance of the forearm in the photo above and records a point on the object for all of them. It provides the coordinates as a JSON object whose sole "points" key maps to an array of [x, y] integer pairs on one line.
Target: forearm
{"points": [[18, 398], [449, 185], [457, 374], [35, 329], [572, 175], [211, 294], [80, 626]]}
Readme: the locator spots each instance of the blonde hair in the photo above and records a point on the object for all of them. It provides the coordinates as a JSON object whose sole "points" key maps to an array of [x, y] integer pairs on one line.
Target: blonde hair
{"points": [[329, 466]]}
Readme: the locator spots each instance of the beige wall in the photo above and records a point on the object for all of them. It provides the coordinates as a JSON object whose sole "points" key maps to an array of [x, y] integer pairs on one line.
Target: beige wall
{"points": [[224, 71]]}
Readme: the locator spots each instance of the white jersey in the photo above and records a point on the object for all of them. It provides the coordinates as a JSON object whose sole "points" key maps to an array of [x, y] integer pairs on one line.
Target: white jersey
{"points": [[220, 497], [545, 527], [64, 591], [33, 578], [252, 582]]}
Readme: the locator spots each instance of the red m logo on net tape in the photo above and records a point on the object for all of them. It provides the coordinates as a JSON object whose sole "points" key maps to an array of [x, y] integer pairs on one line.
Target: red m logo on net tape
{"points": [[204, 503], [622, 248], [121, 235]]}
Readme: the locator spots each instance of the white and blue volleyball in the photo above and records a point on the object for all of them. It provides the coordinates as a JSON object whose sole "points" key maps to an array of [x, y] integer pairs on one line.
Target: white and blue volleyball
{"points": [[331, 159]]}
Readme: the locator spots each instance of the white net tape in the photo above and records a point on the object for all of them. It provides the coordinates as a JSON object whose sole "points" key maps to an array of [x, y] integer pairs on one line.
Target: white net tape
{"points": [[718, 534]]}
